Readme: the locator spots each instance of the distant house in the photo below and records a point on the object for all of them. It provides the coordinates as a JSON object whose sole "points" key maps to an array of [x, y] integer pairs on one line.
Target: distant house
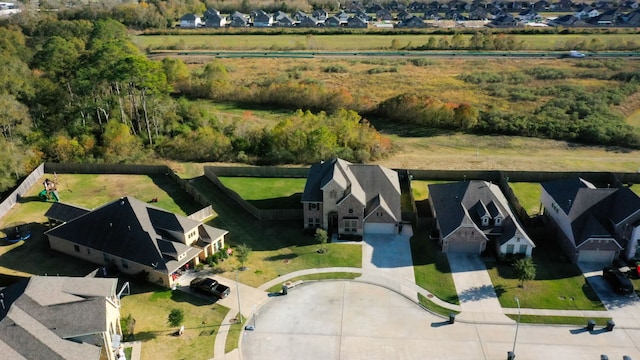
{"points": [[470, 215], [374, 8], [384, 15], [320, 14], [334, 21], [529, 15], [631, 19], [506, 20], [593, 224], [607, 18], [417, 6], [352, 200], [541, 5], [479, 13], [215, 21], [362, 15], [584, 11], [403, 15], [342, 16], [285, 21], [262, 19], [190, 21], [135, 237], [310, 21], [59, 317], [356, 22], [567, 20], [299, 15], [238, 19], [413, 22]]}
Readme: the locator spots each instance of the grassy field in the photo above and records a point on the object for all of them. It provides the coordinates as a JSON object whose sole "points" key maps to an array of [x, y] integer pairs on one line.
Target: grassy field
{"points": [[320, 276], [268, 193], [559, 320], [150, 308], [229, 40]]}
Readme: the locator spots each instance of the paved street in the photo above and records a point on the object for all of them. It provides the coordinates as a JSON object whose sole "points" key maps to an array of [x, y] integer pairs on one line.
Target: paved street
{"points": [[351, 320]]}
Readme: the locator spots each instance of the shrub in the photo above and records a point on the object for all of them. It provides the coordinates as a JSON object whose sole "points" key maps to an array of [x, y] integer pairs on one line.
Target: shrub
{"points": [[335, 69]]}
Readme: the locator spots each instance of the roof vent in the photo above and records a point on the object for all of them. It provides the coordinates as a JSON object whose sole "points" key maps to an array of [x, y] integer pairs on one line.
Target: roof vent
{"points": [[2, 303], [121, 202]]}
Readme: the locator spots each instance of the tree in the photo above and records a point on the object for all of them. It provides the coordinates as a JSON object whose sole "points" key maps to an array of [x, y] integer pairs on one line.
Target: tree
{"points": [[525, 269], [176, 316], [321, 237], [128, 327], [242, 252]]}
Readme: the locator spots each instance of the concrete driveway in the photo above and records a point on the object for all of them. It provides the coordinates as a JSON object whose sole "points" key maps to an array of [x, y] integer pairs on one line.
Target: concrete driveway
{"points": [[351, 320], [624, 309], [478, 298]]}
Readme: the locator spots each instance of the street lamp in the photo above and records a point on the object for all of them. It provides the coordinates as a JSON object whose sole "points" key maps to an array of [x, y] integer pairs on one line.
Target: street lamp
{"points": [[512, 354], [238, 291]]}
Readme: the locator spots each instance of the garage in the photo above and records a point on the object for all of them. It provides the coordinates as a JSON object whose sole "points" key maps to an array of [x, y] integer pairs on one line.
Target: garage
{"points": [[600, 256], [465, 246], [379, 228]]}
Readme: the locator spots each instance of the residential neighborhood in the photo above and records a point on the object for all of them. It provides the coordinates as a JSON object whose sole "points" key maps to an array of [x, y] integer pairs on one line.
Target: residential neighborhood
{"points": [[432, 14], [359, 205]]}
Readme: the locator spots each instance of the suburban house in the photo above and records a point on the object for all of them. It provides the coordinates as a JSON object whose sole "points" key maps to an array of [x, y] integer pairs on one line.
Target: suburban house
{"points": [[470, 214], [352, 199], [137, 238], [215, 21], [595, 224], [190, 21], [59, 317], [262, 19]]}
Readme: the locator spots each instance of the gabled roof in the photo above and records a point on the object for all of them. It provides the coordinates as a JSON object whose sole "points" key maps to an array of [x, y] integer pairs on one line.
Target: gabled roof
{"points": [[62, 212], [467, 201], [40, 313], [364, 182], [130, 229], [593, 212]]}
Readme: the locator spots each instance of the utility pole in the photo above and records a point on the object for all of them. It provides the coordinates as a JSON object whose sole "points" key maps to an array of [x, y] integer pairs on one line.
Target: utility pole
{"points": [[512, 354], [238, 291]]}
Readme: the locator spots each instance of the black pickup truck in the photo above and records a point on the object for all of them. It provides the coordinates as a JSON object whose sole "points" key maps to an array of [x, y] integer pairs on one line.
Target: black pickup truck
{"points": [[210, 287]]}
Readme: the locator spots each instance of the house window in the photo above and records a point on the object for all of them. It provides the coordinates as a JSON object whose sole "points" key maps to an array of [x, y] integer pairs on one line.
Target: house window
{"points": [[485, 221], [350, 211], [350, 225], [523, 249], [509, 248], [125, 265], [313, 206], [498, 221], [76, 248]]}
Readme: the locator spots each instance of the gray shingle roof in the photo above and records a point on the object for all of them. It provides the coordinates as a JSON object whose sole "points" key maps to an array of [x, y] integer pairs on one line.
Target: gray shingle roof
{"points": [[365, 182], [464, 202], [41, 312], [134, 230], [593, 212], [62, 212]]}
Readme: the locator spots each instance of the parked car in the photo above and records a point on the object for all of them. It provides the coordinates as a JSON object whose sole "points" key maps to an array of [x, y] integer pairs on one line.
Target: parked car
{"points": [[617, 280], [209, 286]]}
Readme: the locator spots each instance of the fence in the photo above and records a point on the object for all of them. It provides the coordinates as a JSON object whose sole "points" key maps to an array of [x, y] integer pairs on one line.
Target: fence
{"points": [[212, 173], [26, 184], [202, 214], [258, 171], [188, 188], [106, 169]]}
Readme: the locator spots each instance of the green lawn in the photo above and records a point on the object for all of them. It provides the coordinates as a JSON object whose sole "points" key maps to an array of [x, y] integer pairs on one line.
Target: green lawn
{"points": [[268, 193], [559, 320], [279, 247], [431, 267], [319, 276], [344, 42], [233, 336], [150, 307], [558, 283], [528, 195]]}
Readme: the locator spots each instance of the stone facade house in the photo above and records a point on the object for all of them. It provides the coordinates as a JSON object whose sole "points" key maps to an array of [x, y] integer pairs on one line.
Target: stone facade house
{"points": [[352, 199]]}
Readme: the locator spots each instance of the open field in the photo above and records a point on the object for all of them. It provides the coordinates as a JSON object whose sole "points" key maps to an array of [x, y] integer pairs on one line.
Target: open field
{"points": [[226, 39]]}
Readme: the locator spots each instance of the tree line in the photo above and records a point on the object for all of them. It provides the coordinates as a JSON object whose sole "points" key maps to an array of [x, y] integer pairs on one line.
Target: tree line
{"points": [[81, 91]]}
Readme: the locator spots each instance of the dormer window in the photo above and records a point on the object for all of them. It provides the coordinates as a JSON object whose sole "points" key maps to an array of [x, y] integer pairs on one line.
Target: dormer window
{"points": [[498, 221], [485, 221]]}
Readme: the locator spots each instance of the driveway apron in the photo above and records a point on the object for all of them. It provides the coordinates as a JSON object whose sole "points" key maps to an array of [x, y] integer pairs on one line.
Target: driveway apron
{"points": [[624, 309], [478, 298], [387, 261]]}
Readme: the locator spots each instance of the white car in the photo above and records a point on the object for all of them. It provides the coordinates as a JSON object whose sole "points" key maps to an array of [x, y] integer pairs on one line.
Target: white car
{"points": [[576, 54]]}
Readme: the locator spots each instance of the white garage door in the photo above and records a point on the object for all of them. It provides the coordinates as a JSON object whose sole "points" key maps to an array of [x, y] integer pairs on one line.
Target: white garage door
{"points": [[379, 228], [461, 246], [602, 256]]}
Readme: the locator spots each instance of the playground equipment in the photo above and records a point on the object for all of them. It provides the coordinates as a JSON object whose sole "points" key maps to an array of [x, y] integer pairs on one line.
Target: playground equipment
{"points": [[17, 232], [50, 191]]}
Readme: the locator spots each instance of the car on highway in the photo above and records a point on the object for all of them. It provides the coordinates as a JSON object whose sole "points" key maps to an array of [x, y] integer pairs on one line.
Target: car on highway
{"points": [[575, 54], [618, 281]]}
